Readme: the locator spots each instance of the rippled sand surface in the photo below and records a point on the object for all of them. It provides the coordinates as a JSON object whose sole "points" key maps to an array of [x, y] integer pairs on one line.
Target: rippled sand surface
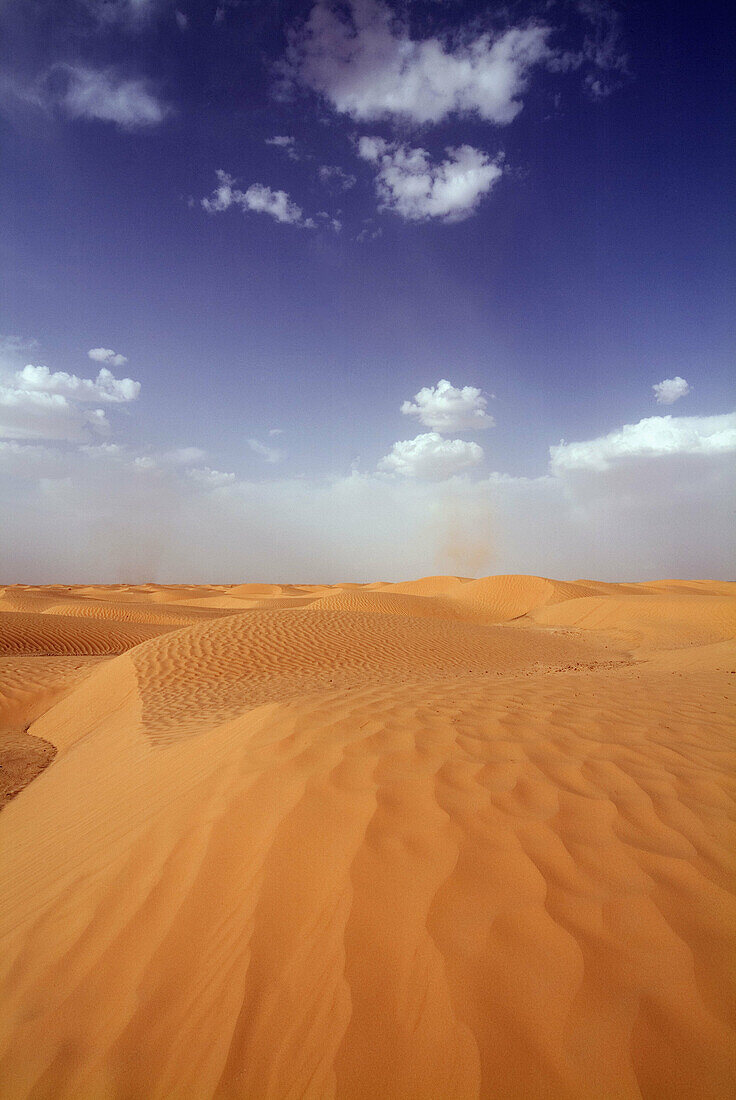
{"points": [[449, 838]]}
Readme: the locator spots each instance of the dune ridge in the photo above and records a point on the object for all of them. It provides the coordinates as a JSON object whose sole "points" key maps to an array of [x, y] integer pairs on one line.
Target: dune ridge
{"points": [[448, 838]]}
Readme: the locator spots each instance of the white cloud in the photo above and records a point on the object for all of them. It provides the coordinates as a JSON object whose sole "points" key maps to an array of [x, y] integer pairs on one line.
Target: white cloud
{"points": [[258, 198], [366, 65], [103, 388], [654, 437], [447, 408], [275, 431], [263, 200], [105, 95], [28, 414], [108, 356], [285, 142], [410, 185], [36, 403], [670, 390], [431, 457], [336, 177]]}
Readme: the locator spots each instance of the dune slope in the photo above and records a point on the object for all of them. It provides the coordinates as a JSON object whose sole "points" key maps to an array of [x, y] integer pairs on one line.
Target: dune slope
{"points": [[327, 851]]}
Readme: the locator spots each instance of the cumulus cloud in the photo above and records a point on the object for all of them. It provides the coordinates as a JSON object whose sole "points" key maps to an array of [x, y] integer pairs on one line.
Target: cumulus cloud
{"points": [[103, 388], [431, 457], [447, 408], [30, 414], [670, 390], [108, 356], [107, 96], [410, 185], [258, 199], [270, 454], [654, 437], [36, 403], [363, 60]]}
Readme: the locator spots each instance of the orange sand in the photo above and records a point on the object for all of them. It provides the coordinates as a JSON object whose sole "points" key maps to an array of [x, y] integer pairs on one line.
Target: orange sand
{"points": [[450, 838]]}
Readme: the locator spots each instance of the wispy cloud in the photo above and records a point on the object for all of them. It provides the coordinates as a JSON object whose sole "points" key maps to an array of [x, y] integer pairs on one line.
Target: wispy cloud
{"points": [[336, 177], [131, 14], [269, 454], [258, 198], [285, 142], [107, 96]]}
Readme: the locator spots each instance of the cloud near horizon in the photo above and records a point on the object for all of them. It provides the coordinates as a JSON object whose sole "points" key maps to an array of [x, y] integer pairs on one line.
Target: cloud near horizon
{"points": [[605, 507], [653, 437], [167, 522], [431, 457], [36, 403]]}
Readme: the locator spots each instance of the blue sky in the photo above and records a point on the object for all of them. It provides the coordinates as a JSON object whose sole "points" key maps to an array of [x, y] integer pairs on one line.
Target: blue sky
{"points": [[523, 213]]}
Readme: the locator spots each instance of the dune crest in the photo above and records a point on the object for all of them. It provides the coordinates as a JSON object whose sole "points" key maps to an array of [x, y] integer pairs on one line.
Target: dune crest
{"points": [[447, 838]]}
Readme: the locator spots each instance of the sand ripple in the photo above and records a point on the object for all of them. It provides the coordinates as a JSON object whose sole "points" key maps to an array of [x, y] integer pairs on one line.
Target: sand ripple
{"points": [[323, 852]]}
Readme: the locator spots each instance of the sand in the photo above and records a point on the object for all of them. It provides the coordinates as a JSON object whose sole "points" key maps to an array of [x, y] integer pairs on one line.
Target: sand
{"points": [[450, 838]]}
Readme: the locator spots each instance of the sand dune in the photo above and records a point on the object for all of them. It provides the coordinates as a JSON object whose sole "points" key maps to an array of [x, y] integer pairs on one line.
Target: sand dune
{"points": [[667, 621], [443, 839]]}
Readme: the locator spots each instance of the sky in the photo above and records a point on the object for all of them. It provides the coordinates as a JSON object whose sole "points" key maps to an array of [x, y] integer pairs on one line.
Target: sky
{"points": [[321, 292]]}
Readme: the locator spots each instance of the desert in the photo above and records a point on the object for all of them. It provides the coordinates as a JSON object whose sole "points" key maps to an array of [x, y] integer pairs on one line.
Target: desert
{"points": [[446, 838]]}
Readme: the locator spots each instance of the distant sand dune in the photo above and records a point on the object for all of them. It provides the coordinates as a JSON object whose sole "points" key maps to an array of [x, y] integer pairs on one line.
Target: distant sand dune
{"points": [[432, 841], [667, 621], [59, 635]]}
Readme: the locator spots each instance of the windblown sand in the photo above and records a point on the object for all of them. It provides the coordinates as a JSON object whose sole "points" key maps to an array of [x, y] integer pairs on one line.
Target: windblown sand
{"points": [[443, 839]]}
